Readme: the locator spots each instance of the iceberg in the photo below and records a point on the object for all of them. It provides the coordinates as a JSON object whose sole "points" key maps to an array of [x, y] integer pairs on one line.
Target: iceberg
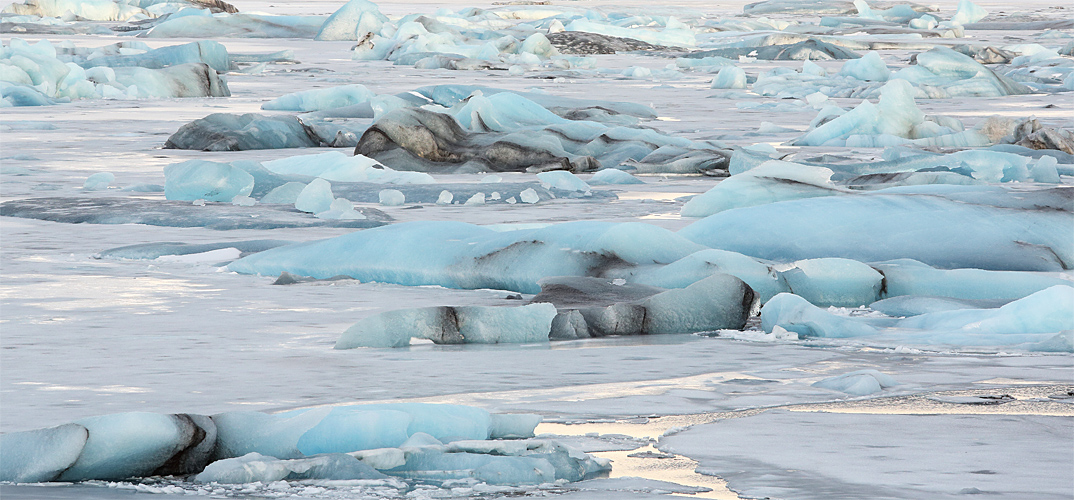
{"points": [[452, 325], [254, 467], [471, 256], [40, 455], [768, 182], [1046, 311], [206, 180], [795, 314], [352, 21], [937, 225], [858, 383], [226, 132], [321, 99], [611, 176], [834, 282], [338, 167]]}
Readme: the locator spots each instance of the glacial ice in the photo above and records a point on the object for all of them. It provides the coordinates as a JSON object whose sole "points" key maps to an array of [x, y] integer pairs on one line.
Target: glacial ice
{"points": [[40, 455], [563, 180], [931, 224], [1046, 311], [391, 197], [316, 197], [206, 180], [869, 68], [34, 75], [225, 132], [318, 443], [834, 282], [858, 383], [237, 25], [910, 277], [611, 176], [99, 181], [352, 21], [338, 167], [134, 444], [795, 314], [730, 77], [452, 325], [321, 99], [254, 467], [474, 257], [769, 182]]}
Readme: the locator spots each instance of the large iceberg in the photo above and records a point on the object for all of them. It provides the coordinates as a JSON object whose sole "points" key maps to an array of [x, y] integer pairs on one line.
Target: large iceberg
{"points": [[409, 440], [938, 225]]}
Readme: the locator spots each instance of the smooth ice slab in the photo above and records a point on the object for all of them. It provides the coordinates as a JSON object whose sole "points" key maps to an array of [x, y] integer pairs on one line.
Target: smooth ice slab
{"points": [[254, 467], [40, 455], [932, 224], [452, 325], [206, 180]]}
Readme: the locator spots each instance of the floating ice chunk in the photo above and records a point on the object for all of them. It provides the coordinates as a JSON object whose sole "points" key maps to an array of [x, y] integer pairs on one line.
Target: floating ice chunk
{"points": [[321, 99], [925, 22], [796, 314], [858, 383], [913, 305], [40, 455], [444, 198], [730, 77], [936, 225], [217, 255], [316, 197], [869, 68], [128, 445], [341, 209], [610, 176], [1044, 170], [101, 180], [637, 72], [476, 199], [353, 21], [243, 201], [1046, 311], [391, 197], [286, 194], [717, 302], [769, 182], [561, 179], [764, 280], [910, 277], [211, 181], [967, 13], [529, 196], [834, 282], [677, 37], [452, 325], [226, 132], [512, 425], [338, 167]]}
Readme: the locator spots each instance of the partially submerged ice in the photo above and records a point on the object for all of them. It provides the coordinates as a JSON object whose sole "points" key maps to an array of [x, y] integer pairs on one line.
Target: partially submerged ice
{"points": [[407, 440], [937, 225], [36, 74], [1036, 322]]}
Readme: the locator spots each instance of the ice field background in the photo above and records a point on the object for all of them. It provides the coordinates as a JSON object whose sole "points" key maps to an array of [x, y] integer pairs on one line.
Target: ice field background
{"points": [[764, 412]]}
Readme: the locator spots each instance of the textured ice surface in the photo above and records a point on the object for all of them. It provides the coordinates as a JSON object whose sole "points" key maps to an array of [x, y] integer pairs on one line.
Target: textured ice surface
{"points": [[795, 314], [452, 325], [610, 176], [206, 180], [936, 225], [41, 455], [474, 257], [254, 467], [225, 132], [321, 99], [858, 383], [769, 182], [834, 282], [730, 77]]}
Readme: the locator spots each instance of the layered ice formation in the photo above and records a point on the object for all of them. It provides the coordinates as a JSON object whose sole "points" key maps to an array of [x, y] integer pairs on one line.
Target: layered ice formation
{"points": [[1036, 322], [408, 440], [33, 75]]}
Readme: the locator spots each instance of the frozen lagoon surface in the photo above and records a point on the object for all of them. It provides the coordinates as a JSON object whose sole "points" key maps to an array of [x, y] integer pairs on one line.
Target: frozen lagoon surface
{"points": [[921, 412]]}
